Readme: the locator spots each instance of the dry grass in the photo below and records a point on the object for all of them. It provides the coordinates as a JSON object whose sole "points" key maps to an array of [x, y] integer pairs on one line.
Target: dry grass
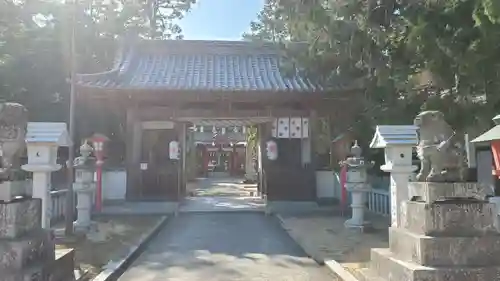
{"points": [[112, 240]]}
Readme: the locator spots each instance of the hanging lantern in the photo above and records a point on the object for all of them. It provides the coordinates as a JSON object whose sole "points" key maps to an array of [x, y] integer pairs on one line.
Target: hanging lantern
{"points": [[174, 150], [271, 150]]}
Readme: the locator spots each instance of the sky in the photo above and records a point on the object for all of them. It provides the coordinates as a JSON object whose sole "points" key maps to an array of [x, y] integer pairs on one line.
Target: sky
{"points": [[220, 19]]}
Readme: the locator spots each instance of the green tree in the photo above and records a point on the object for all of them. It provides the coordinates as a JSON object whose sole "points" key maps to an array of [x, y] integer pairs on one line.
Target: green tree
{"points": [[35, 46], [408, 55]]}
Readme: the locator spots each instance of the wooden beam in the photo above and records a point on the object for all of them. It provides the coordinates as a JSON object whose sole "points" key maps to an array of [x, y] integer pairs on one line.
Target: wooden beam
{"points": [[156, 96], [169, 113]]}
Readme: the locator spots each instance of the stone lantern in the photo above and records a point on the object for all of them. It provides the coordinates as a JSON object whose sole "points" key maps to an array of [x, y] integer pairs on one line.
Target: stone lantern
{"points": [[357, 184], [398, 142], [42, 141], [84, 186]]}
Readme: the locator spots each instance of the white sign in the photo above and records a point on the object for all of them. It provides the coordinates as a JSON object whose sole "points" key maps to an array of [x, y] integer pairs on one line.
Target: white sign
{"points": [[294, 127], [144, 166]]}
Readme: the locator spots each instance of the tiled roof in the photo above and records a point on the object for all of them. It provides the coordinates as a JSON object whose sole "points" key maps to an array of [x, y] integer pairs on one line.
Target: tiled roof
{"points": [[198, 65]]}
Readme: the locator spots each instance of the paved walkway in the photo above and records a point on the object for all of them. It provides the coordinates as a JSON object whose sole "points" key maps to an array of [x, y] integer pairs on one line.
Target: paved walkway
{"points": [[222, 194], [221, 187], [224, 246]]}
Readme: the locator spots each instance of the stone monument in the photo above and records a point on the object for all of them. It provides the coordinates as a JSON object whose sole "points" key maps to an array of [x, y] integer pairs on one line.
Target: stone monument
{"points": [[27, 251], [442, 156], [447, 229], [13, 122]]}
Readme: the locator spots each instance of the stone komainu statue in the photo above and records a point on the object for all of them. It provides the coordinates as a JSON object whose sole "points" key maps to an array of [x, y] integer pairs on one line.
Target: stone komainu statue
{"points": [[13, 125], [442, 156]]}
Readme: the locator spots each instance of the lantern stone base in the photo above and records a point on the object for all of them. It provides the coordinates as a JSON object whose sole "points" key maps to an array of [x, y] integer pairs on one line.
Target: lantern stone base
{"points": [[357, 221], [84, 228], [27, 252], [12, 189], [440, 239], [85, 193], [358, 226]]}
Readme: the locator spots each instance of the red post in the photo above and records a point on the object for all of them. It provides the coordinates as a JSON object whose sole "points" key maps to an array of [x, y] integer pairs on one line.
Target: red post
{"points": [[98, 194], [98, 141]]}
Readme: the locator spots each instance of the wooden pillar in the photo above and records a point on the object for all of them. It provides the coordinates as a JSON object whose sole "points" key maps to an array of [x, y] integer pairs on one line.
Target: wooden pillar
{"points": [[259, 171], [182, 169], [313, 136], [205, 157], [233, 160], [133, 153], [264, 134]]}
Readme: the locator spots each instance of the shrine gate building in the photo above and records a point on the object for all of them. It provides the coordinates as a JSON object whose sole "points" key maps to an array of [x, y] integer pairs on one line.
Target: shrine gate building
{"points": [[165, 88]]}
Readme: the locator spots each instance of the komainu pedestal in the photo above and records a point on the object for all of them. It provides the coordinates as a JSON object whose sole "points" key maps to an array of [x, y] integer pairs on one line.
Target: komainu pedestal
{"points": [[447, 233], [27, 252]]}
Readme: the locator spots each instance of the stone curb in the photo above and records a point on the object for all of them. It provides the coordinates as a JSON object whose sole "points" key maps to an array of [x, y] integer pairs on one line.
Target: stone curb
{"points": [[340, 271], [113, 268], [311, 255]]}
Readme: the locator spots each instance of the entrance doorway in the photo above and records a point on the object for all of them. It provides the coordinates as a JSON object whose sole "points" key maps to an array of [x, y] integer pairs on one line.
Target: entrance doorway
{"points": [[221, 164], [158, 175]]}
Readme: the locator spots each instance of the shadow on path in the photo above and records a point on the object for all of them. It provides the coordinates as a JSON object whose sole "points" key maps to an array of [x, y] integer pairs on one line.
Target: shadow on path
{"points": [[224, 246]]}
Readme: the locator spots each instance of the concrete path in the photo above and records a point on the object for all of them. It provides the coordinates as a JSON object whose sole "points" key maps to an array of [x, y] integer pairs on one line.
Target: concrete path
{"points": [[221, 187], [222, 194], [224, 247], [222, 204]]}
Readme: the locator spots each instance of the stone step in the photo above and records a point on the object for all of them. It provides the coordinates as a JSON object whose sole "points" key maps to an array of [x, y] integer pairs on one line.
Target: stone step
{"points": [[367, 274], [445, 251], [449, 218], [19, 253], [34, 273], [64, 265], [20, 217], [60, 269], [387, 265]]}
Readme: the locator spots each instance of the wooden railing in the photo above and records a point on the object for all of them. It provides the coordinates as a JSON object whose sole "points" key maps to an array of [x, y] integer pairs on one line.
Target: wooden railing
{"points": [[379, 202]]}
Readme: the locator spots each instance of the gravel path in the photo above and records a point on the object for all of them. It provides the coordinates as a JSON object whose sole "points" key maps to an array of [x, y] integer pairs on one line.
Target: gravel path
{"points": [[224, 246]]}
